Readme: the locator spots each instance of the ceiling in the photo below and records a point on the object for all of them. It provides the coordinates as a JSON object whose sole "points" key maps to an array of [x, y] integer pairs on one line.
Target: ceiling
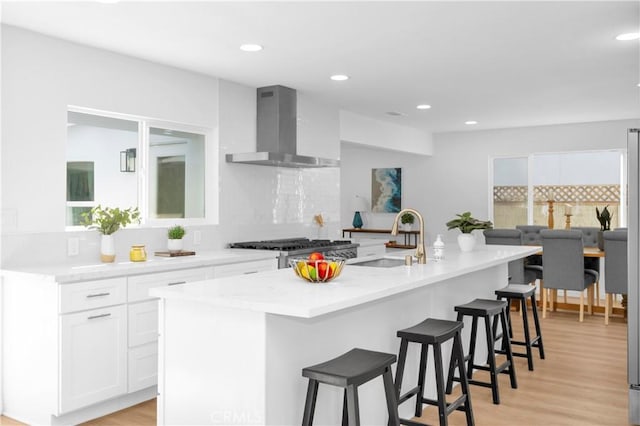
{"points": [[502, 64]]}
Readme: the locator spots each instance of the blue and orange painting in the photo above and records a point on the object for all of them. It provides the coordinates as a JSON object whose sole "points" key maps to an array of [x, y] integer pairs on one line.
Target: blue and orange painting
{"points": [[386, 190]]}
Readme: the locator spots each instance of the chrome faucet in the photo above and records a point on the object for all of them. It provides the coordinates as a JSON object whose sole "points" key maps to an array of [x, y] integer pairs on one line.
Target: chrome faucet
{"points": [[421, 252]]}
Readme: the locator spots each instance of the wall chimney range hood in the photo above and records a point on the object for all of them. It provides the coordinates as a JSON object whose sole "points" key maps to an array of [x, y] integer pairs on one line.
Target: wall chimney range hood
{"points": [[276, 133]]}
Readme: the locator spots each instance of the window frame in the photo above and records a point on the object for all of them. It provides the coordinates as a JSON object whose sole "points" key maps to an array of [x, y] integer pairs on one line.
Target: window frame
{"points": [[211, 168]]}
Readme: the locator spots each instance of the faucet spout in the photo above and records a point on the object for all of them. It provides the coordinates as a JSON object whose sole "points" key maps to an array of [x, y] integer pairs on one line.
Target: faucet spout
{"points": [[421, 252]]}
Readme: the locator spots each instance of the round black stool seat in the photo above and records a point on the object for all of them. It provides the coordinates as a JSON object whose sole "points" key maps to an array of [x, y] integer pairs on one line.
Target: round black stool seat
{"points": [[522, 292], [348, 371], [434, 332], [489, 310]]}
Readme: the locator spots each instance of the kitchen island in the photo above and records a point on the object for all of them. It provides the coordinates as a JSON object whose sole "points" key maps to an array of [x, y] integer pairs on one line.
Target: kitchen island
{"points": [[232, 349]]}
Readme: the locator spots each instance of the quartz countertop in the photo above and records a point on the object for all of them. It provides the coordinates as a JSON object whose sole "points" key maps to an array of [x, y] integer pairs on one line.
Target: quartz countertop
{"points": [[281, 292], [81, 272]]}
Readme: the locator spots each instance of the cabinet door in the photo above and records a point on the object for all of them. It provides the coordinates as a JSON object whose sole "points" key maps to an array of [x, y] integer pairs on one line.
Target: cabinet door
{"points": [[93, 356]]}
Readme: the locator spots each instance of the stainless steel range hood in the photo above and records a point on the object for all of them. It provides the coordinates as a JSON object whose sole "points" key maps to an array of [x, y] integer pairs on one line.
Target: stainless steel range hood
{"points": [[276, 133]]}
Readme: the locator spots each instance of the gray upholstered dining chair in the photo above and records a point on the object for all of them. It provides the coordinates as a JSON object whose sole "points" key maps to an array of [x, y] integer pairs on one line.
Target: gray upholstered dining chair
{"points": [[562, 256], [511, 237], [615, 265], [590, 239]]}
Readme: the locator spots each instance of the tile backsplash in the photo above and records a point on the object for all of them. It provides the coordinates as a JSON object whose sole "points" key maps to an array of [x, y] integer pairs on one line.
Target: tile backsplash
{"points": [[256, 202]]}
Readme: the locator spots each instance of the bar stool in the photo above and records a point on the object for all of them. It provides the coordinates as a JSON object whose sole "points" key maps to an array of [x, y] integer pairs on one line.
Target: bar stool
{"points": [[434, 332], [522, 292], [349, 371], [487, 309]]}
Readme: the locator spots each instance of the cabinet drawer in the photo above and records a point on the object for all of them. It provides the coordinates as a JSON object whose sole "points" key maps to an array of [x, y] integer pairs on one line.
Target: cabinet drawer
{"points": [[139, 285], [92, 294], [143, 367], [143, 322], [245, 268]]}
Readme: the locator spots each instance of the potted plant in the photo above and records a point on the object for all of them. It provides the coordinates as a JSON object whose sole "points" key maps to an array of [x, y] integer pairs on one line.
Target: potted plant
{"points": [[467, 224], [175, 235], [107, 221], [406, 221], [604, 217]]}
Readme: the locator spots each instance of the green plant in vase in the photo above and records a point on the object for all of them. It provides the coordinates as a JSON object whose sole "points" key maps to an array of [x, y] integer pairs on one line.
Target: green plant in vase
{"points": [[108, 220], [175, 234], [467, 224], [407, 220]]}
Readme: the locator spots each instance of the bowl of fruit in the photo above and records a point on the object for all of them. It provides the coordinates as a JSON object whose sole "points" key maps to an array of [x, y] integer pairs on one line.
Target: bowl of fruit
{"points": [[316, 268]]}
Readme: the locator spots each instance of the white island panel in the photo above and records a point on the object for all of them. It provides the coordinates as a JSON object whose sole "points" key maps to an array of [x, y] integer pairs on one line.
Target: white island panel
{"points": [[233, 350]]}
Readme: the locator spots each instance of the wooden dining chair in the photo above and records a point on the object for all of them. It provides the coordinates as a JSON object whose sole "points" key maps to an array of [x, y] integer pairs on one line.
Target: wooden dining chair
{"points": [[615, 266], [562, 257]]}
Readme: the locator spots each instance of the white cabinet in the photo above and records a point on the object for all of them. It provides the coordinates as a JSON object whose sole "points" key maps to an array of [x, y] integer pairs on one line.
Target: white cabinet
{"points": [[79, 350], [93, 356], [143, 322]]}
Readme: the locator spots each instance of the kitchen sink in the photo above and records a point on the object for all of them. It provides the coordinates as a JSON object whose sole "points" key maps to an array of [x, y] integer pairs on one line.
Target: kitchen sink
{"points": [[381, 263]]}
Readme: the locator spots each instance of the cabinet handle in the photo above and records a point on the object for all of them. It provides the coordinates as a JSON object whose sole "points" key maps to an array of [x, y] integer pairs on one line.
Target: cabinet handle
{"points": [[98, 316], [177, 282], [97, 295], [250, 272]]}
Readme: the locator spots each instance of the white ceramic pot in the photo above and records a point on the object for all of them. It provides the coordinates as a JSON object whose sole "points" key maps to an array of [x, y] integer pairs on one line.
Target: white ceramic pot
{"points": [[406, 226], [174, 245], [466, 242], [107, 249]]}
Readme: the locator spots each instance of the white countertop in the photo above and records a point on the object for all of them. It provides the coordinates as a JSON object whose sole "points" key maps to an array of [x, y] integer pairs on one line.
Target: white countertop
{"points": [[70, 273], [281, 292]]}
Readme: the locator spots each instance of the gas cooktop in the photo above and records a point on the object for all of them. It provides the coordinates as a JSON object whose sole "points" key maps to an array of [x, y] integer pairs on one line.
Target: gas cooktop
{"points": [[291, 244]]}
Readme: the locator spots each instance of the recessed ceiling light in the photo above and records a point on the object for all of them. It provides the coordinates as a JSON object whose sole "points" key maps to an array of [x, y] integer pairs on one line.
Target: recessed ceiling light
{"points": [[628, 36], [471, 122], [339, 77], [250, 47], [423, 106]]}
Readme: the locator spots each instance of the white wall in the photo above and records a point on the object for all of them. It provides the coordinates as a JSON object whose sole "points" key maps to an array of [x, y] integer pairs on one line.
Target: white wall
{"points": [[41, 76], [460, 166], [255, 201], [456, 178], [356, 164], [372, 133]]}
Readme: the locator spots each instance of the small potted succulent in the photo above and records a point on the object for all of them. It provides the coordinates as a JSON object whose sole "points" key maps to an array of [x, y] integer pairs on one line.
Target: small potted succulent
{"points": [[467, 224], [406, 221], [107, 221], [175, 235], [604, 217]]}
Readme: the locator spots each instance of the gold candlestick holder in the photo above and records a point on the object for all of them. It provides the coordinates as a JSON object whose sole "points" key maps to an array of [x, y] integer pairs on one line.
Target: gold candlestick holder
{"points": [[567, 222], [550, 211]]}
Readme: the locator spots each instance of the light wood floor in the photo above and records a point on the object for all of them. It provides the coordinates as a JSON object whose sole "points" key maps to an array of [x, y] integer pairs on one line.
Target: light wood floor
{"points": [[582, 382]]}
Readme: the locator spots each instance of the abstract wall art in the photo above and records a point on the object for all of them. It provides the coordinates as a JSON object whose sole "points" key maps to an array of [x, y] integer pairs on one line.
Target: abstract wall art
{"points": [[386, 190]]}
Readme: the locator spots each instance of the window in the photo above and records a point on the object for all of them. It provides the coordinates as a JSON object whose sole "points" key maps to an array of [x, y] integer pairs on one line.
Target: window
{"points": [[124, 161], [577, 182]]}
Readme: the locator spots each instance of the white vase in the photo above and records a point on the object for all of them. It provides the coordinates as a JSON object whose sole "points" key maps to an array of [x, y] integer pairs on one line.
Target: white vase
{"points": [[466, 242], [107, 249], [174, 245], [406, 226]]}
